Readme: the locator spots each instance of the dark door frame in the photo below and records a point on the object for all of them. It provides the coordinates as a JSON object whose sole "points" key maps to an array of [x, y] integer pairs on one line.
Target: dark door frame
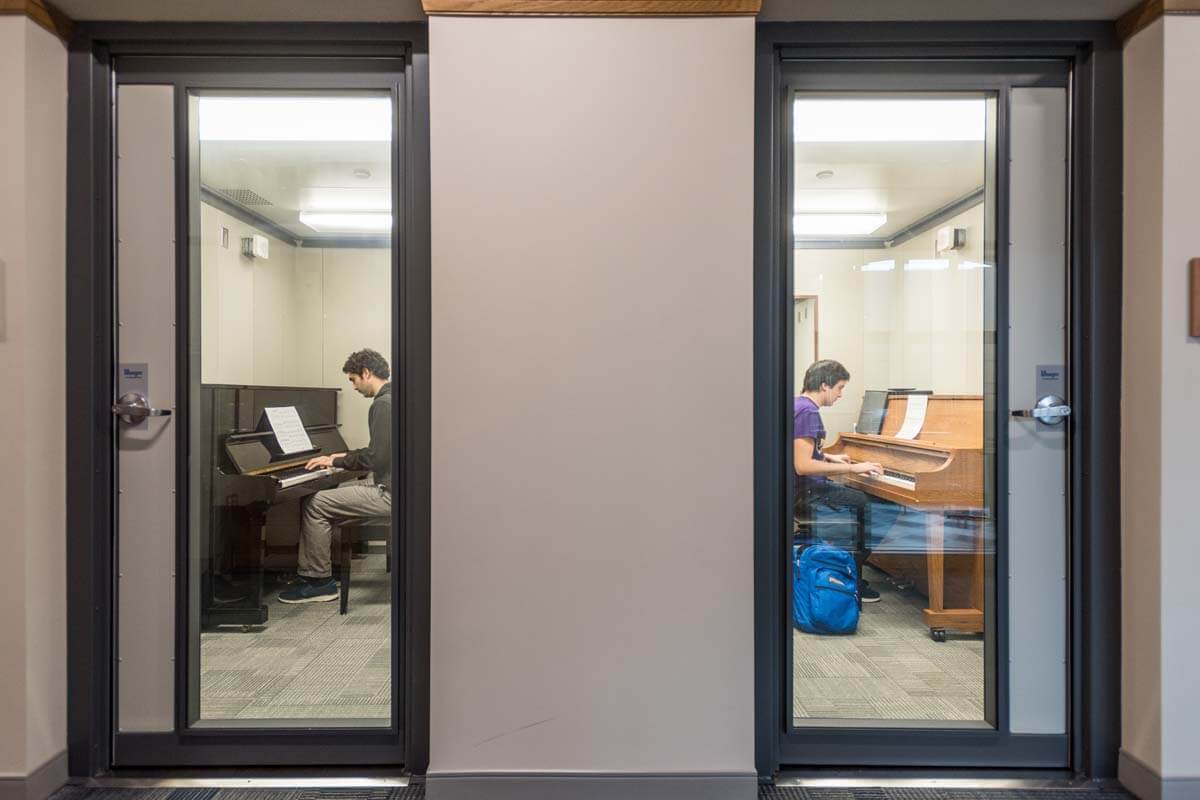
{"points": [[93, 744], [1093, 53]]}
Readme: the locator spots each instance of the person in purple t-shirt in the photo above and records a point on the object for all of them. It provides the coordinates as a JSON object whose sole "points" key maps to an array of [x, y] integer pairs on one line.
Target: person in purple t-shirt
{"points": [[823, 385]]}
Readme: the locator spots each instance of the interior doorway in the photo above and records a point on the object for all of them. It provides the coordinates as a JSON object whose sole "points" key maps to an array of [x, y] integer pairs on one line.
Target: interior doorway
{"points": [[259, 237], [807, 338], [930, 203]]}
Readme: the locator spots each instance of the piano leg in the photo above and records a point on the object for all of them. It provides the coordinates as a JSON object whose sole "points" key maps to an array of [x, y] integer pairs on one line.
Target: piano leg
{"points": [[235, 563], [937, 617]]}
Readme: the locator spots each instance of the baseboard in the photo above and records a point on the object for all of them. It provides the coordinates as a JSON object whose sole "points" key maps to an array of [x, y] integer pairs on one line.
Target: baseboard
{"points": [[41, 783], [1145, 783], [590, 786]]}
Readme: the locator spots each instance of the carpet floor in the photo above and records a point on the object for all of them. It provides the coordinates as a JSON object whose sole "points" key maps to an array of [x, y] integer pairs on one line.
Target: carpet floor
{"points": [[890, 669], [308, 661]]}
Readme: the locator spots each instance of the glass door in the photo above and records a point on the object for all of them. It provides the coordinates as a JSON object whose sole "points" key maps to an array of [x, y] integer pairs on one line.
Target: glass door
{"points": [[926, 534], [259, 545]]}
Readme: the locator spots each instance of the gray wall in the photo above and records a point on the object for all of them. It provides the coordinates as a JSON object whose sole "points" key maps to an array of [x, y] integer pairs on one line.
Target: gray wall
{"points": [[33, 595], [1160, 437], [592, 399], [1141, 433]]}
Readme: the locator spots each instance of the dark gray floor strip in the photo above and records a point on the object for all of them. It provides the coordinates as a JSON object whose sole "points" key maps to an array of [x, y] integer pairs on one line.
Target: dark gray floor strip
{"points": [[417, 792]]}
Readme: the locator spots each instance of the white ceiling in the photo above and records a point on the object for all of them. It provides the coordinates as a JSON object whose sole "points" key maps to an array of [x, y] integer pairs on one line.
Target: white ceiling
{"points": [[280, 172], [905, 180], [408, 10]]}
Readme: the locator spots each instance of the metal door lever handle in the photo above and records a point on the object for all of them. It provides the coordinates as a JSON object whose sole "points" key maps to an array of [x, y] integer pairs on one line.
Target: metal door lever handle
{"points": [[132, 408], [1050, 410]]}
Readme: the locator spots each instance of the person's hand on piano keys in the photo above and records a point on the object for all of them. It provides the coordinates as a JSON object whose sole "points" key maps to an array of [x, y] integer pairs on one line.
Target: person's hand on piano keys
{"points": [[866, 468], [322, 462]]}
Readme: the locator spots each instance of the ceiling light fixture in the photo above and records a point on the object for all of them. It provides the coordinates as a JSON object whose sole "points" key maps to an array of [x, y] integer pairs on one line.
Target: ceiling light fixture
{"points": [[924, 120], [344, 222], [824, 174], [973, 265], [879, 266], [338, 198], [926, 264], [837, 224], [295, 119]]}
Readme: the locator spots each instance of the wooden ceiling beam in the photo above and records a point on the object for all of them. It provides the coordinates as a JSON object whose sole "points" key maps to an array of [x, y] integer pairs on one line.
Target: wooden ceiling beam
{"points": [[43, 14], [1146, 12], [594, 8]]}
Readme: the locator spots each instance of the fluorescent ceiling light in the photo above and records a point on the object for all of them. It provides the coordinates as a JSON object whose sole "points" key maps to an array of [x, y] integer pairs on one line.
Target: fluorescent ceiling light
{"points": [[926, 264], [889, 120], [973, 265], [345, 199], [295, 119], [879, 266], [340, 222], [837, 224]]}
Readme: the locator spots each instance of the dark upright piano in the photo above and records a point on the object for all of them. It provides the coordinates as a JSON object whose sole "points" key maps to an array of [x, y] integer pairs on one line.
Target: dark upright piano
{"points": [[244, 475]]}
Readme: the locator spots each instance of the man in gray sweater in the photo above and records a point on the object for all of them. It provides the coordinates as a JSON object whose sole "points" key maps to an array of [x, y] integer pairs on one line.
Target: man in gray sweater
{"points": [[368, 373]]}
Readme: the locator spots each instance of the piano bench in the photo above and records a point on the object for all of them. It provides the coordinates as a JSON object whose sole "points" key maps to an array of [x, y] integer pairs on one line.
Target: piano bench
{"points": [[803, 523], [350, 532]]}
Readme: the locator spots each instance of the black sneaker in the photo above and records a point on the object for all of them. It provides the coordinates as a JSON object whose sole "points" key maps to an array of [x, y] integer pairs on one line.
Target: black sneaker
{"points": [[310, 592], [867, 594]]}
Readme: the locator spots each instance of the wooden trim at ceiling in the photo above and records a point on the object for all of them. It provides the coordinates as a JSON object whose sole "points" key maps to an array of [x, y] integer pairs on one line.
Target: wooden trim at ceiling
{"points": [[1146, 12], [43, 14], [594, 8]]}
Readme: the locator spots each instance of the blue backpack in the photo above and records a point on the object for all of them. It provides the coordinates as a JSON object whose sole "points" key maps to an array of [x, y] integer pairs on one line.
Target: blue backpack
{"points": [[824, 589]]}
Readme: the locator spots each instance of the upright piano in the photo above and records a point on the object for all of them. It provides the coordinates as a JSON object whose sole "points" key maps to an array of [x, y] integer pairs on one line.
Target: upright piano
{"points": [[940, 472], [243, 477]]}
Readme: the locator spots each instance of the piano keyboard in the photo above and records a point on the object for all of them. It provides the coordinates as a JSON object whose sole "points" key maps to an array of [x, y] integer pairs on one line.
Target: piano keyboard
{"points": [[305, 477], [895, 479]]}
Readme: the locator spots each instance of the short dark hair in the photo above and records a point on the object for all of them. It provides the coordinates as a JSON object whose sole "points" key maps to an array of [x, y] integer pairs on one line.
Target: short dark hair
{"points": [[359, 360], [827, 372]]}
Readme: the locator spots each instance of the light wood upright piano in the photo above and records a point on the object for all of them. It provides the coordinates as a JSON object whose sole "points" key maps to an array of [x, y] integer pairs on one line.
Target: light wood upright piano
{"points": [[939, 472]]}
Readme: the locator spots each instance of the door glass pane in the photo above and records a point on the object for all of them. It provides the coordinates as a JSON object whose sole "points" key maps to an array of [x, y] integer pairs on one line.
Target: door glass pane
{"points": [[291, 448], [893, 527]]}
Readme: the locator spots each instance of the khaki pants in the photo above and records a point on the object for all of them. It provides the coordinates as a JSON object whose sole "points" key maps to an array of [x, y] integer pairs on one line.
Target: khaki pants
{"points": [[321, 512]]}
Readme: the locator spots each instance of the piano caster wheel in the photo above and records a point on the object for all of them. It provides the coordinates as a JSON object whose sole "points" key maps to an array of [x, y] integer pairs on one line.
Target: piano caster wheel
{"points": [[937, 634]]}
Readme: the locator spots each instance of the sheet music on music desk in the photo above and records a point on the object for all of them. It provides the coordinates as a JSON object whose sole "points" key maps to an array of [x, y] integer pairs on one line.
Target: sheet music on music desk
{"points": [[289, 430], [914, 416]]}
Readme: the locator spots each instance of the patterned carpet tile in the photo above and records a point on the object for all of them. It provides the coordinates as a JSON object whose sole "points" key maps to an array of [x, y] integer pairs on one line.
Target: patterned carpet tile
{"points": [[414, 792], [909, 793], [308, 661], [890, 669], [417, 792]]}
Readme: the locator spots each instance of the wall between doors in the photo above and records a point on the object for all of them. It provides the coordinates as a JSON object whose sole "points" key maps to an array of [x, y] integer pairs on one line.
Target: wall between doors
{"points": [[291, 319], [592, 436], [33, 92]]}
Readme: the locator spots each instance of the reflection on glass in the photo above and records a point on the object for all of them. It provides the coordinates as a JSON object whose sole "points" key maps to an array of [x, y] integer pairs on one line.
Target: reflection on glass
{"points": [[893, 524], [291, 467]]}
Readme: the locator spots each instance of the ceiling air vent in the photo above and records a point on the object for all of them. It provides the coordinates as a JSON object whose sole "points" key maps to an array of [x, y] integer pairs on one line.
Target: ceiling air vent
{"points": [[245, 197]]}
